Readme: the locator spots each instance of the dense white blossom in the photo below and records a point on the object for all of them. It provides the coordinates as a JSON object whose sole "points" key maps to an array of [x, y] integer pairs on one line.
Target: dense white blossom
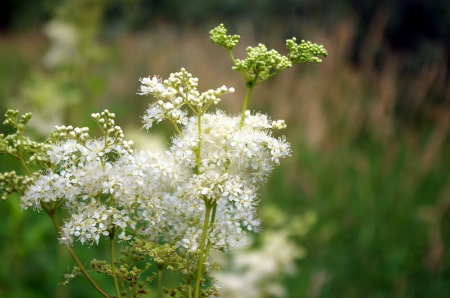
{"points": [[109, 188], [249, 151]]}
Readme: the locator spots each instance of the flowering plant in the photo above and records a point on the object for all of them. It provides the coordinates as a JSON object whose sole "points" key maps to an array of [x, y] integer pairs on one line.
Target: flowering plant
{"points": [[169, 209]]}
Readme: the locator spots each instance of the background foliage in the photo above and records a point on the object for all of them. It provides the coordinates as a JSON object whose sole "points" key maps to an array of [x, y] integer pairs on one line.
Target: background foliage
{"points": [[369, 127]]}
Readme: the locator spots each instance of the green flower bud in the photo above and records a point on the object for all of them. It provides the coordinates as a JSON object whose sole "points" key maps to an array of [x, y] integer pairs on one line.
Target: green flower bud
{"points": [[219, 37], [306, 51]]}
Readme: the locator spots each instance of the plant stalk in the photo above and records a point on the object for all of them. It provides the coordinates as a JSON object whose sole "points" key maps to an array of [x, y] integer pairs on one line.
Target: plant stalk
{"points": [[201, 257], [199, 146], [244, 107], [51, 213], [213, 217], [160, 274], [113, 265]]}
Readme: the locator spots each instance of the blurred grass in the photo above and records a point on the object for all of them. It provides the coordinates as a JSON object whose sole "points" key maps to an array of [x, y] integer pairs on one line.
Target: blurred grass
{"points": [[370, 156]]}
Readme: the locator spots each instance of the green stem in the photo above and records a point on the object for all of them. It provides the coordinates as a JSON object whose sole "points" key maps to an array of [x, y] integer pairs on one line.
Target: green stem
{"points": [[123, 286], [176, 128], [213, 217], [160, 273], [201, 257], [231, 56], [19, 156], [244, 74], [24, 166], [199, 146], [246, 100], [88, 276], [270, 76], [113, 265], [52, 214]]}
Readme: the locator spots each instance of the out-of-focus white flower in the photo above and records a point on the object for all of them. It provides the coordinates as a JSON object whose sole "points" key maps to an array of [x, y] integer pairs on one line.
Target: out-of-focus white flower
{"points": [[256, 273], [63, 39]]}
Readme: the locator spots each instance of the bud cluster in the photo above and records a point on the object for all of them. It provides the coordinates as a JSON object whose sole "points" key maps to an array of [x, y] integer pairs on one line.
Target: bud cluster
{"points": [[219, 36], [261, 63], [79, 134], [113, 134], [11, 119], [28, 152], [70, 276], [9, 183], [305, 51]]}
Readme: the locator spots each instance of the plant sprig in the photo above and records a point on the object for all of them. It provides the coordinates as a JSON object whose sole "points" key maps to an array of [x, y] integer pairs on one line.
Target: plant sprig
{"points": [[261, 63]]}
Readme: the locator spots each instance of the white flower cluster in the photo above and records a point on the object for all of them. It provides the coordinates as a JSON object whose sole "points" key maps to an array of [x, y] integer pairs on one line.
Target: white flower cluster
{"points": [[178, 90], [249, 152], [108, 188]]}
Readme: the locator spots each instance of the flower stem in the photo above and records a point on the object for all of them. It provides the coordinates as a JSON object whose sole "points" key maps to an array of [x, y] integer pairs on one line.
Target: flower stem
{"points": [[201, 257], [244, 74], [24, 166], [160, 274], [51, 213], [231, 56], [199, 146], [88, 276], [246, 100], [113, 265], [213, 217], [176, 127]]}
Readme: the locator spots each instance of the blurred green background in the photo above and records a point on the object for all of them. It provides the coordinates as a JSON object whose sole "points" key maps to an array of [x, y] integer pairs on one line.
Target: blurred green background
{"points": [[369, 126]]}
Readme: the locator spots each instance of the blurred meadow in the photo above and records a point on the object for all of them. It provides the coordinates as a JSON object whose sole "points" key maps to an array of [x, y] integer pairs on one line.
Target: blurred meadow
{"points": [[361, 209]]}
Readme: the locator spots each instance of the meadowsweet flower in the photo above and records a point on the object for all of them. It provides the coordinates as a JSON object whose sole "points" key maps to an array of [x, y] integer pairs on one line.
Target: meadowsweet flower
{"points": [[105, 184], [172, 205]]}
